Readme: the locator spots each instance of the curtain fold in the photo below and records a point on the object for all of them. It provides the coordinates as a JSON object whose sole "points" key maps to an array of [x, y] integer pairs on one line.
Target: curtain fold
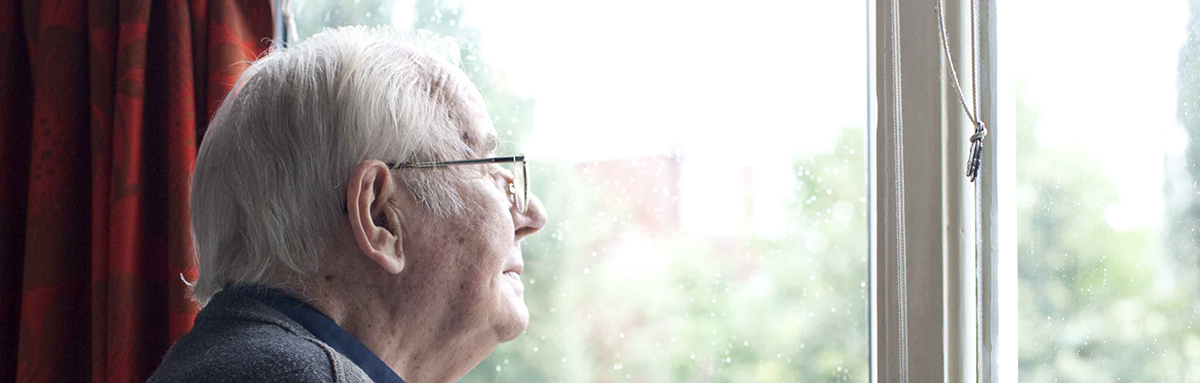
{"points": [[102, 106]]}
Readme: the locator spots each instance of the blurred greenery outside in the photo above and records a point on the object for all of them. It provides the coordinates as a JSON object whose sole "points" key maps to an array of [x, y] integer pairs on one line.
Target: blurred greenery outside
{"points": [[1097, 304], [728, 309]]}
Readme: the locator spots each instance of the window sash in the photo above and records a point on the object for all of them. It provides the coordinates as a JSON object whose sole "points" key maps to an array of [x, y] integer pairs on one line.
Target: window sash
{"points": [[939, 201]]}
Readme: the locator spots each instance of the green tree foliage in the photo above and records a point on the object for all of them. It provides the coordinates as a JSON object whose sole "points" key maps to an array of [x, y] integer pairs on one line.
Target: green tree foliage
{"points": [[312, 16], [1097, 304], [1183, 206], [1100, 304], [716, 310], [1188, 111]]}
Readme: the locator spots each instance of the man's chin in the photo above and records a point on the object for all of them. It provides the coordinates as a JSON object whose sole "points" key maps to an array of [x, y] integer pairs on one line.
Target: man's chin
{"points": [[517, 321]]}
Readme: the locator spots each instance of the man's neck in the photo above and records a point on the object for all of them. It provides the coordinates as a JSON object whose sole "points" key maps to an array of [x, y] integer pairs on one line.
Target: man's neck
{"points": [[407, 337]]}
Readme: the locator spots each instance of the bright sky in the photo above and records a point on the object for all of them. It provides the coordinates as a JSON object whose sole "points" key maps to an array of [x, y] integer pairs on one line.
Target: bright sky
{"points": [[756, 79], [729, 85], [628, 78], [625, 78], [1103, 76]]}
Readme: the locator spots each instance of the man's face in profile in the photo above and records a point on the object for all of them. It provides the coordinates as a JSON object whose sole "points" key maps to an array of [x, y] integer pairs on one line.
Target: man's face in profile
{"points": [[471, 264]]}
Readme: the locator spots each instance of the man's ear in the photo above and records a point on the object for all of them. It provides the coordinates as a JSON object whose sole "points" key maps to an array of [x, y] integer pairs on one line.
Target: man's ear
{"points": [[376, 228]]}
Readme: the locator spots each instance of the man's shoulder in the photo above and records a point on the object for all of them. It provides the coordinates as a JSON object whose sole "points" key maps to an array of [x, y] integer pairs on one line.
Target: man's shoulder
{"points": [[244, 349]]}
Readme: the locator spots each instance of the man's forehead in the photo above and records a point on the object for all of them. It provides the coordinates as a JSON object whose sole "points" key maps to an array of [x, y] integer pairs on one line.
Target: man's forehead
{"points": [[468, 104]]}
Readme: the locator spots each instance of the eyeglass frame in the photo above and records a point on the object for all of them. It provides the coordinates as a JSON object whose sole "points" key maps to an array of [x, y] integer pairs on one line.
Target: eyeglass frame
{"points": [[520, 200]]}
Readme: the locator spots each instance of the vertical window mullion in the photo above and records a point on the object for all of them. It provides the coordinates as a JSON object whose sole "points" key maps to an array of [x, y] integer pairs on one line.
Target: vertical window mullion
{"points": [[939, 202]]}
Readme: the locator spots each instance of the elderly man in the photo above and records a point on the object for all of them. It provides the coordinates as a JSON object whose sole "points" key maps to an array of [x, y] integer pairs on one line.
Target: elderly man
{"points": [[349, 224]]}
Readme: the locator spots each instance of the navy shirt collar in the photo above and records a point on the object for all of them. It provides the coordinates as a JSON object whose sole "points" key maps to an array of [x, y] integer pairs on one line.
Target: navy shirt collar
{"points": [[324, 329]]}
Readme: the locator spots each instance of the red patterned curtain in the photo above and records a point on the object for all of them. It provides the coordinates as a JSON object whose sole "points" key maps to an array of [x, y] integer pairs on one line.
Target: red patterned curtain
{"points": [[102, 104]]}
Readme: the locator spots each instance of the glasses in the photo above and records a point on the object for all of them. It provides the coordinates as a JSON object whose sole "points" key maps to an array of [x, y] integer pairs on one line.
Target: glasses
{"points": [[518, 189]]}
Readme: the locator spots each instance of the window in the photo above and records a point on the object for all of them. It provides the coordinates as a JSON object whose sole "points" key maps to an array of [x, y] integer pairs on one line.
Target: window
{"points": [[704, 166], [1107, 119]]}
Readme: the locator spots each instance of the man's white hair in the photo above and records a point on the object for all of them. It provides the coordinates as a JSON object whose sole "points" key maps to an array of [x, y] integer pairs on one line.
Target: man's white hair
{"points": [[268, 191]]}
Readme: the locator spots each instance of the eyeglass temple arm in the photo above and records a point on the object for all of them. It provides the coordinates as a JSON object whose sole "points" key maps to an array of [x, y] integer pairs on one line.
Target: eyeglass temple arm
{"points": [[492, 160]]}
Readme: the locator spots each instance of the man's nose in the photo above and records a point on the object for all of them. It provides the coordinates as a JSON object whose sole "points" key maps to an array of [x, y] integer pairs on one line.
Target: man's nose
{"points": [[533, 219]]}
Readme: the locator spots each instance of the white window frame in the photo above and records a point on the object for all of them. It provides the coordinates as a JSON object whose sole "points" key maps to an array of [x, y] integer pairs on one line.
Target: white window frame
{"points": [[939, 201]]}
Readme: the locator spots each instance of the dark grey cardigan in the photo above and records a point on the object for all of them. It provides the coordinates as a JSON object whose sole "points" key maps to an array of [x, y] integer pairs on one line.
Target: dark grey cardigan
{"points": [[236, 338]]}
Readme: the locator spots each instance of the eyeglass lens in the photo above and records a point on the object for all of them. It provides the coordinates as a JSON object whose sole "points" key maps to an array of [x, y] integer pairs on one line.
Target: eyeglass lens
{"points": [[521, 182]]}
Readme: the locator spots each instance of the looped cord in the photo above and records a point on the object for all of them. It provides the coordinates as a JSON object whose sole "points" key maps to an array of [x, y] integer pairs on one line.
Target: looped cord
{"points": [[980, 132], [972, 111]]}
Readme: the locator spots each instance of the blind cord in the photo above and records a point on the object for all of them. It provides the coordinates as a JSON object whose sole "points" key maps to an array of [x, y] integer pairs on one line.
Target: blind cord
{"points": [[973, 160], [898, 149]]}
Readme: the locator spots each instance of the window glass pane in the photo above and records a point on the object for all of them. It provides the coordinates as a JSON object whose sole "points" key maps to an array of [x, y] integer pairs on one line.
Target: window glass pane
{"points": [[1107, 189], [704, 169]]}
